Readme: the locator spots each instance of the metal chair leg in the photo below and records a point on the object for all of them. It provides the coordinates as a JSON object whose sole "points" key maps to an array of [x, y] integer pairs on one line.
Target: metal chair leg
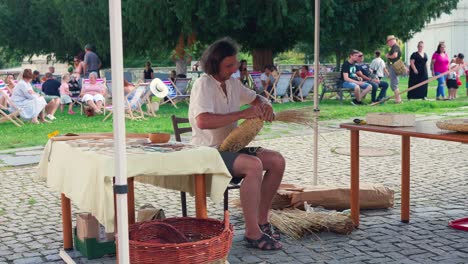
{"points": [[183, 200], [226, 199]]}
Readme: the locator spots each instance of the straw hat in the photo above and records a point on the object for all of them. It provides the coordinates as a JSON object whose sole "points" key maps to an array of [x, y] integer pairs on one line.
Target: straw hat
{"points": [[390, 37], [158, 88]]}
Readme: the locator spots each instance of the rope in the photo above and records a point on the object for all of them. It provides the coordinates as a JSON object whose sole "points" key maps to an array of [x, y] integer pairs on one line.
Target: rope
{"points": [[455, 69]]}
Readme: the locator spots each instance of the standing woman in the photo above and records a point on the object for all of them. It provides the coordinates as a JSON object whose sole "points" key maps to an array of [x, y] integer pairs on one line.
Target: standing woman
{"points": [[148, 73], [30, 103], [418, 73], [440, 64], [244, 74]]}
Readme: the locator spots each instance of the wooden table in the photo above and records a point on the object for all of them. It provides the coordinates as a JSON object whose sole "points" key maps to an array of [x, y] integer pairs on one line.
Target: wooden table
{"points": [[422, 129], [190, 169], [200, 207]]}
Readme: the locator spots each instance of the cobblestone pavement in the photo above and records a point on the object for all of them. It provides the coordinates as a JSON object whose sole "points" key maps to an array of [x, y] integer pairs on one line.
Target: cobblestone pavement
{"points": [[30, 221]]}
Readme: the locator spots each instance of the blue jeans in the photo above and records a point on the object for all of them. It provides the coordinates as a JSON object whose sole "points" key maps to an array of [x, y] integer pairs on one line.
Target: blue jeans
{"points": [[440, 85], [351, 85], [375, 86]]}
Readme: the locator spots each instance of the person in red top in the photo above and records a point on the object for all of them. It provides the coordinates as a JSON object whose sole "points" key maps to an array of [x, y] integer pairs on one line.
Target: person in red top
{"points": [[305, 72]]}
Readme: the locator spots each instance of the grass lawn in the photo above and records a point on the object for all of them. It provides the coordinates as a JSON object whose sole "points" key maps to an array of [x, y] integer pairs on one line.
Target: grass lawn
{"points": [[33, 135]]}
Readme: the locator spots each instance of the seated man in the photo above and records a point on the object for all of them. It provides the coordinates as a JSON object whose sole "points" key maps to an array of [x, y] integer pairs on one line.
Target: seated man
{"points": [[267, 79], [214, 110], [351, 80], [51, 86], [364, 72], [51, 93]]}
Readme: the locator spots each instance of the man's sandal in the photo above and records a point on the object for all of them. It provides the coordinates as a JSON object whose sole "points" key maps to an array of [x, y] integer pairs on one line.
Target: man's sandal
{"points": [[265, 242], [269, 230]]}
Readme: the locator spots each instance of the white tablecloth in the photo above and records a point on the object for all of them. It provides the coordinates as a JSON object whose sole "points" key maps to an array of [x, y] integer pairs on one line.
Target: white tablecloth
{"points": [[85, 174]]}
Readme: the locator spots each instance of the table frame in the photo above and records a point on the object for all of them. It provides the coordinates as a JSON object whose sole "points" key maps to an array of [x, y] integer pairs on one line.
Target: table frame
{"points": [[200, 206], [423, 129]]}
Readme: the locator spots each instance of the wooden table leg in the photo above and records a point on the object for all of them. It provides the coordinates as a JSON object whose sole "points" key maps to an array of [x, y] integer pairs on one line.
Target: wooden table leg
{"points": [[200, 196], [355, 177], [131, 200], [66, 222], [130, 209], [405, 179]]}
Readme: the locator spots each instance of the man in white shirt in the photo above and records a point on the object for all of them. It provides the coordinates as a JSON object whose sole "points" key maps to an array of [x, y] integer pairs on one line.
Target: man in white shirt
{"points": [[378, 65], [214, 110]]}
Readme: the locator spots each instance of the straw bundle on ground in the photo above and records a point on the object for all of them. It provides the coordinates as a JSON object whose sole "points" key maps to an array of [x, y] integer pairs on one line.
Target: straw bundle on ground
{"points": [[297, 223], [240, 137]]}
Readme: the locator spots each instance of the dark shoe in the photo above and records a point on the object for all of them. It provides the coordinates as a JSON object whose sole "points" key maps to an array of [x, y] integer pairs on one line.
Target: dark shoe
{"points": [[265, 242], [356, 102], [269, 230]]}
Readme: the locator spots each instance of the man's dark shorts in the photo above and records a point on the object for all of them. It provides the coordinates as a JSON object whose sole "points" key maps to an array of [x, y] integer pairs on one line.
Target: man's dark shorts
{"points": [[230, 157]]}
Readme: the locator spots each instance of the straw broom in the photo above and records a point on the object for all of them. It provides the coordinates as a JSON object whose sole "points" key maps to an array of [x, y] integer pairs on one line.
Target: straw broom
{"points": [[246, 132], [297, 223]]}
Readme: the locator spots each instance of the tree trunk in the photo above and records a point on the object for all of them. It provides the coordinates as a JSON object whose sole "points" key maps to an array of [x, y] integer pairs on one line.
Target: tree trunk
{"points": [[338, 61], [261, 58]]}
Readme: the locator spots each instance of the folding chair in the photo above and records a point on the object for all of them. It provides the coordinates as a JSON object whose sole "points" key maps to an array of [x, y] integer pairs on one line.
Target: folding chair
{"points": [[305, 87], [176, 121], [3, 87], [256, 81], [133, 103], [281, 86], [179, 90], [5, 114], [84, 82], [151, 105], [173, 92]]}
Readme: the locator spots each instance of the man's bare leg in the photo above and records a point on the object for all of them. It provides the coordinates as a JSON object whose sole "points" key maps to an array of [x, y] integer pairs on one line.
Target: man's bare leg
{"points": [[274, 165], [357, 92], [251, 168], [397, 96], [365, 91]]}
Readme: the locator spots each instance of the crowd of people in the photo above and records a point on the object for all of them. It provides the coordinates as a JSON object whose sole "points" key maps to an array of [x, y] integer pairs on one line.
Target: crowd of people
{"points": [[364, 79], [356, 75], [39, 98]]}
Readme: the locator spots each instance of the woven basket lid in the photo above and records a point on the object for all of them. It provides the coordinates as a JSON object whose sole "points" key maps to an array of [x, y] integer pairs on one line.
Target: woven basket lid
{"points": [[241, 136], [460, 125]]}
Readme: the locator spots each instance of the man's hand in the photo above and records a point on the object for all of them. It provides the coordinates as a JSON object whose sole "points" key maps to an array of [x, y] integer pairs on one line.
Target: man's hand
{"points": [[267, 111], [252, 112]]}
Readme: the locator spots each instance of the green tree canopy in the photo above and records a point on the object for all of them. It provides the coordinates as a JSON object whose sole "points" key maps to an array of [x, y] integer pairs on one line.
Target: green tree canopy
{"points": [[364, 25], [262, 27]]}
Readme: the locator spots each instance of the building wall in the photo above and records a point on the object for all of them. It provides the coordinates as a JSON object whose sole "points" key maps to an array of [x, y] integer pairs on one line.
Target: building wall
{"points": [[40, 63], [451, 28]]}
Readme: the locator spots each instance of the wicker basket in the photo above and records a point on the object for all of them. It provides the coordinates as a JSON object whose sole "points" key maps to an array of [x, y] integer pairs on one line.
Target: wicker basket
{"points": [[156, 232], [460, 124], [209, 240]]}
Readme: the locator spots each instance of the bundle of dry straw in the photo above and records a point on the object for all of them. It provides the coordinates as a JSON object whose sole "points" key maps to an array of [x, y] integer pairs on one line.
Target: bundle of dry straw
{"points": [[246, 132], [297, 223], [302, 116]]}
